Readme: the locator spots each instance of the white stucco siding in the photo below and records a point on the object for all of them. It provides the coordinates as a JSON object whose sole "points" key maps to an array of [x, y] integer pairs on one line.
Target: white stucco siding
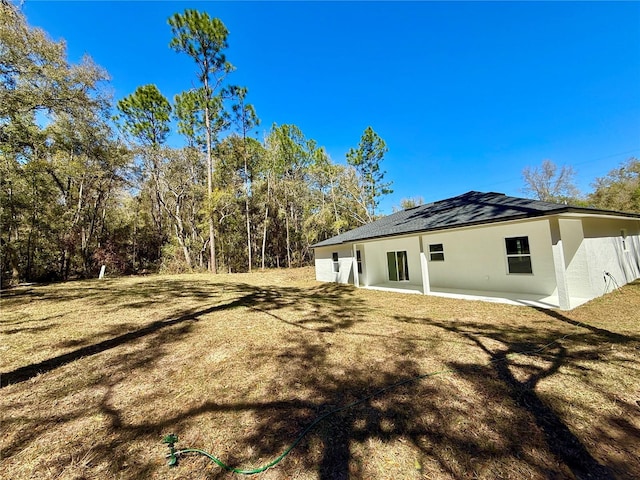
{"points": [[475, 258], [608, 251], [325, 268], [375, 255], [576, 258]]}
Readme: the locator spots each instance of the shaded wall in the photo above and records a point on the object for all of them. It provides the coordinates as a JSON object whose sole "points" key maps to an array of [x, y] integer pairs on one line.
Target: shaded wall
{"points": [[611, 252]]}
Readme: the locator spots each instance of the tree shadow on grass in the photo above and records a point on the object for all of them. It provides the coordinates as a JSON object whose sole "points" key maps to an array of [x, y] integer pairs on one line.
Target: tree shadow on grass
{"points": [[88, 288], [400, 405], [426, 420], [326, 307], [36, 329], [314, 302], [602, 333], [522, 357], [277, 423], [561, 441], [321, 310], [29, 371], [26, 423], [415, 412]]}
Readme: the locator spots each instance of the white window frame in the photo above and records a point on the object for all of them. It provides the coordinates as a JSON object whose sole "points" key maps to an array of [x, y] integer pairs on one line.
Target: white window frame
{"points": [[519, 254], [435, 253], [335, 259]]}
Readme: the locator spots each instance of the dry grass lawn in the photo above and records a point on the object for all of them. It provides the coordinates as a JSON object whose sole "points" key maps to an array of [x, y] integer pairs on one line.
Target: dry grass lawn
{"points": [[95, 373]]}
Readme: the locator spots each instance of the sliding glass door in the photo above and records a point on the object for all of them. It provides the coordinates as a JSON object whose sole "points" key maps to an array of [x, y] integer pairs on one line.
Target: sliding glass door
{"points": [[398, 266]]}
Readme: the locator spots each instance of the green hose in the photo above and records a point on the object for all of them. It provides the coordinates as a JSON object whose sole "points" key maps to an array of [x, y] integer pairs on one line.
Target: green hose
{"points": [[171, 439]]}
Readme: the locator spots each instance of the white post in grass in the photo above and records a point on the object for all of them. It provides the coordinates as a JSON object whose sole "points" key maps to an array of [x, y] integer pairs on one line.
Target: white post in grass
{"points": [[102, 270]]}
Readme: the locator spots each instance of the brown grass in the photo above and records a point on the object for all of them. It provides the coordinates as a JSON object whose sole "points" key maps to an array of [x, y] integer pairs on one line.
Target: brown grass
{"points": [[95, 373]]}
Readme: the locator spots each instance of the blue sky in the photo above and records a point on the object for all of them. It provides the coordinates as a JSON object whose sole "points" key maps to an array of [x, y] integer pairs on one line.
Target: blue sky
{"points": [[465, 94]]}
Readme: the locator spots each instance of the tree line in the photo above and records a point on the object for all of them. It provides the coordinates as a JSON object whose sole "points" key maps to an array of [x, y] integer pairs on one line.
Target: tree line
{"points": [[88, 182]]}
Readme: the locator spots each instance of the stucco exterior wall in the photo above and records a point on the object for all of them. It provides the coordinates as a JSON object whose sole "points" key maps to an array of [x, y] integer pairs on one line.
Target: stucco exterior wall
{"points": [[324, 264], [475, 259], [375, 253], [576, 258], [608, 253]]}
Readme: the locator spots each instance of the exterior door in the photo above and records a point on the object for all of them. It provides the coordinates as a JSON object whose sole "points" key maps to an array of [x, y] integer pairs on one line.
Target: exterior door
{"points": [[398, 266]]}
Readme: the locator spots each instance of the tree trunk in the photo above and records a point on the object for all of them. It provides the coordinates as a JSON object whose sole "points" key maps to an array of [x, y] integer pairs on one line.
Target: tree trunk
{"points": [[179, 227], [246, 208], [13, 263], [15, 273], [135, 238], [11, 252], [335, 208], [30, 238], [286, 218], [63, 263], [264, 233], [185, 249], [157, 205], [207, 122], [212, 248]]}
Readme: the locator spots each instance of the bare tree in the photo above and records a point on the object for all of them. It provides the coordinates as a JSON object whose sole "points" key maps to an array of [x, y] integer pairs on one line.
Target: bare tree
{"points": [[549, 184]]}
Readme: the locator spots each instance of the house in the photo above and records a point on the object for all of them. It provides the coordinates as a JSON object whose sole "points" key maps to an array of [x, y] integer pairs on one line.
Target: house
{"points": [[489, 246]]}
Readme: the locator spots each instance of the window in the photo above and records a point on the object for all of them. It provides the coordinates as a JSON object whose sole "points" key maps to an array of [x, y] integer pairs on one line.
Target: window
{"points": [[336, 265], [518, 255], [623, 235], [359, 261], [398, 266], [436, 252]]}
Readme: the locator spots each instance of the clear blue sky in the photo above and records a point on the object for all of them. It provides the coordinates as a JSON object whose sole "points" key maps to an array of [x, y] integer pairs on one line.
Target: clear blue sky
{"points": [[464, 94]]}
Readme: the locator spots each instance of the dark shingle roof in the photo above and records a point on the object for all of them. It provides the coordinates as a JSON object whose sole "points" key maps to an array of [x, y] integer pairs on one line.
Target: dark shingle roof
{"points": [[471, 208]]}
